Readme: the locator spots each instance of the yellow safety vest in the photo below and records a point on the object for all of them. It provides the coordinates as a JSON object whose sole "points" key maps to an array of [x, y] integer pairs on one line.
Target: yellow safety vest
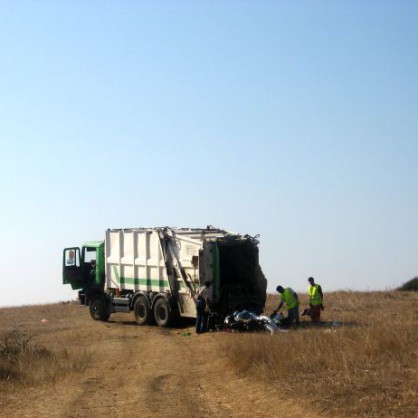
{"points": [[289, 299], [314, 295]]}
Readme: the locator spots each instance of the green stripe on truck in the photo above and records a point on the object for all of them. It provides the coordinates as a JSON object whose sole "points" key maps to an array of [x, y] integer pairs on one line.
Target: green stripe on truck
{"points": [[144, 282]]}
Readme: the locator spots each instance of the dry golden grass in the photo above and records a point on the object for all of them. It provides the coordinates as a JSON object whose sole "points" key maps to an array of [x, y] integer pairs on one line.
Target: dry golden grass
{"points": [[366, 367], [28, 354]]}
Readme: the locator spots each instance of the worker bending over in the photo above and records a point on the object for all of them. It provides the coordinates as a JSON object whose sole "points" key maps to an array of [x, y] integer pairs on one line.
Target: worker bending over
{"points": [[289, 298]]}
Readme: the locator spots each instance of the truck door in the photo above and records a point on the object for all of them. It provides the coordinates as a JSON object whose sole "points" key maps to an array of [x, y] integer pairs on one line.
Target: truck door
{"points": [[71, 268]]}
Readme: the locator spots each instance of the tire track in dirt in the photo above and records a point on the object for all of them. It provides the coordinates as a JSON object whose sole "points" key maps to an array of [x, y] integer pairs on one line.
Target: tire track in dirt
{"points": [[155, 372], [179, 388], [143, 371]]}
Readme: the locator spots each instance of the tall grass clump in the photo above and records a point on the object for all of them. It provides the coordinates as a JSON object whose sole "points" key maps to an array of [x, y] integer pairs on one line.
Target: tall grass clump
{"points": [[25, 362]]}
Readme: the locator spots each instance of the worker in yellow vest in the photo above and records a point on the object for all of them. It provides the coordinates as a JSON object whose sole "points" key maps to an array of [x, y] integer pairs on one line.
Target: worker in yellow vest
{"points": [[316, 300], [289, 298]]}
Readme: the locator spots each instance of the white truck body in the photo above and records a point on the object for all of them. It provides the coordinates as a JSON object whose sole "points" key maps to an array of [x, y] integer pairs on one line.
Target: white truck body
{"points": [[157, 272], [135, 261]]}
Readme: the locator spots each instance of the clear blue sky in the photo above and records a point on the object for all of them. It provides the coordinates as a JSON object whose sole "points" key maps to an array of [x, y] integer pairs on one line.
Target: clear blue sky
{"points": [[295, 120]]}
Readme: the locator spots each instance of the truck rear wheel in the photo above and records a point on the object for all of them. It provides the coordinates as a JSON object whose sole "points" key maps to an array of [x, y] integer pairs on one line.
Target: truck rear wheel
{"points": [[162, 313], [98, 309], [142, 311]]}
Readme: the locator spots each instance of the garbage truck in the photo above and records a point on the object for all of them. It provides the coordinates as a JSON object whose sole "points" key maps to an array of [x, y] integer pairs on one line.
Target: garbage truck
{"points": [[156, 273]]}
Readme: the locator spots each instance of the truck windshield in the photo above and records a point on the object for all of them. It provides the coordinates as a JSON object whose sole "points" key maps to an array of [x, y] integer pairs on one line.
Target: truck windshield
{"points": [[89, 255]]}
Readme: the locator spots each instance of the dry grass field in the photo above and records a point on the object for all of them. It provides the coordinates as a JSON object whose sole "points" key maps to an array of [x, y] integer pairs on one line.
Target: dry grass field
{"points": [[366, 367], [57, 362]]}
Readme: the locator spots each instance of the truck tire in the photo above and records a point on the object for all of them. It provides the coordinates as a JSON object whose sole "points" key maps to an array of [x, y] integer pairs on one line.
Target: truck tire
{"points": [[162, 312], [98, 309], [142, 311]]}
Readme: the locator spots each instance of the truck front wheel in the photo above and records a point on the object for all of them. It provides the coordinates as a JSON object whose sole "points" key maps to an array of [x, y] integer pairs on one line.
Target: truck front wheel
{"points": [[162, 313], [142, 311], [98, 309]]}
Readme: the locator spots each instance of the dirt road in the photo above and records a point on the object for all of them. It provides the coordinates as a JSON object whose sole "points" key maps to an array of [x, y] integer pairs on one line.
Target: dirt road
{"points": [[144, 372]]}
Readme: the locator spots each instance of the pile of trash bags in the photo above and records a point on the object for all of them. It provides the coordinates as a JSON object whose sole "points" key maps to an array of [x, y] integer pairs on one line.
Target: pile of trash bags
{"points": [[247, 321]]}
